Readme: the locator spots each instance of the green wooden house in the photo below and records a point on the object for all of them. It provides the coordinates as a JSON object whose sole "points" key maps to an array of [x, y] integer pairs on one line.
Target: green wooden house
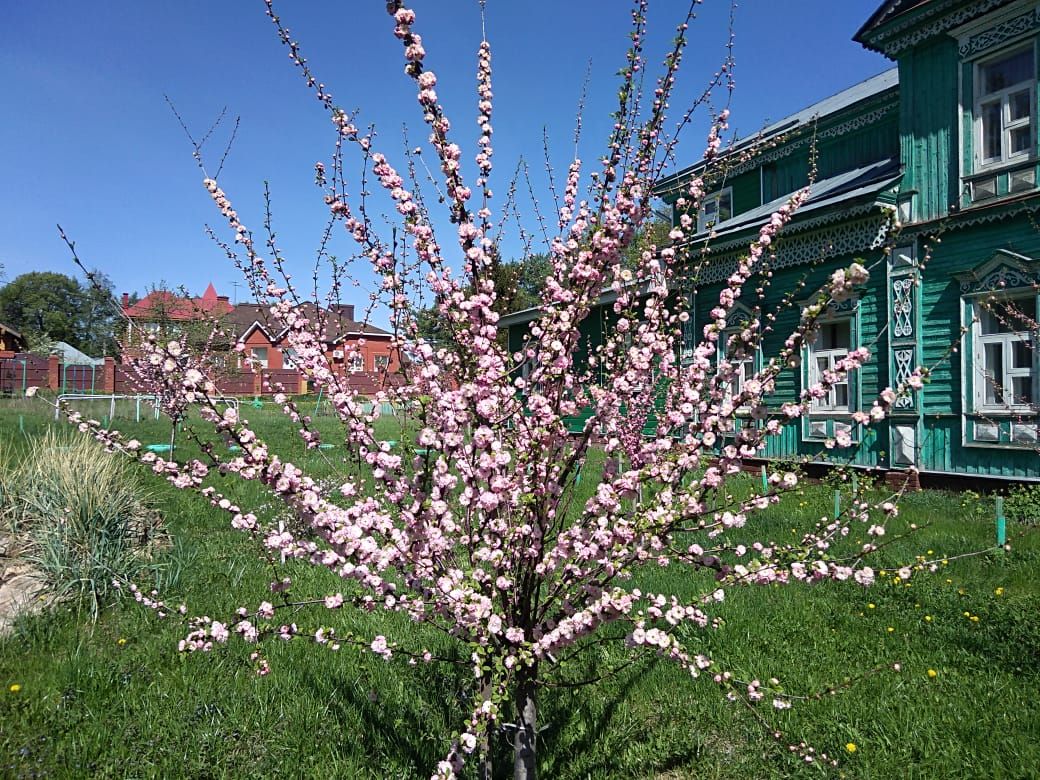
{"points": [[927, 173]]}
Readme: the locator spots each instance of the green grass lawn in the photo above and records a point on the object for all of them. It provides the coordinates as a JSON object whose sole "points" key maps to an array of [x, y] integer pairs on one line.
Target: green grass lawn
{"points": [[115, 699]]}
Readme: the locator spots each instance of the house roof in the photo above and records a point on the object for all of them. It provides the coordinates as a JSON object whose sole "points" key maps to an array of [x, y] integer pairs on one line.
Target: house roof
{"points": [[164, 304], [840, 101], [841, 188], [244, 317], [886, 11], [8, 329], [69, 354]]}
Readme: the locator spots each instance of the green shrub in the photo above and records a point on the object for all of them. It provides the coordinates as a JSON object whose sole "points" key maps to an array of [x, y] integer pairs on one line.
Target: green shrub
{"points": [[81, 516], [1023, 504]]}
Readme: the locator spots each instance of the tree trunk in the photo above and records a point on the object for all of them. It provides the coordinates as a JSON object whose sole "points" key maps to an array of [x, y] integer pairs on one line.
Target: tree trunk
{"points": [[525, 749], [485, 766]]}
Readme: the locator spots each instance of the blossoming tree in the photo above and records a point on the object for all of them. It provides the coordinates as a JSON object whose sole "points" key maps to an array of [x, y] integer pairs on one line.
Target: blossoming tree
{"points": [[467, 523]]}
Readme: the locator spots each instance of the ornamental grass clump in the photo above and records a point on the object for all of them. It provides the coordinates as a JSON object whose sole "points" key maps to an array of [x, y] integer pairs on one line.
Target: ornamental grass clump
{"points": [[82, 519]]}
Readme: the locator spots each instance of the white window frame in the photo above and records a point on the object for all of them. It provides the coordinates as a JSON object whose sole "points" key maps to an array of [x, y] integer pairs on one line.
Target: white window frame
{"points": [[706, 221], [981, 377], [829, 403], [1007, 125], [256, 360], [357, 363], [750, 364], [376, 360]]}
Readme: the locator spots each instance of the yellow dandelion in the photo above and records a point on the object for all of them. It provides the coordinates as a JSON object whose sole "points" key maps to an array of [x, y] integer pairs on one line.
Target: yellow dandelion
{"points": [[932, 673], [850, 746], [15, 688], [121, 642], [999, 591], [967, 614], [927, 618], [974, 618], [871, 606], [890, 629]]}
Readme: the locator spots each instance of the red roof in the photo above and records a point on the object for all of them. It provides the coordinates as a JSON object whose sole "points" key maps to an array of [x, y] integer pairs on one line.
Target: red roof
{"points": [[163, 304]]}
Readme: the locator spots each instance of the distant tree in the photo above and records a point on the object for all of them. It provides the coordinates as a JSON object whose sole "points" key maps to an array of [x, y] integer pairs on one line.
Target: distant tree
{"points": [[44, 306], [47, 307], [518, 286], [100, 316]]}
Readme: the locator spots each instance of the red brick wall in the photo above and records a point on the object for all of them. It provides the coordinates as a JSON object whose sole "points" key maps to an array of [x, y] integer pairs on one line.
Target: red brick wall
{"points": [[258, 339]]}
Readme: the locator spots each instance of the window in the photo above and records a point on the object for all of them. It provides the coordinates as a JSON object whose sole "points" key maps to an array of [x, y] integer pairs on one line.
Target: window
{"points": [[381, 362], [289, 357], [258, 355], [742, 361], [715, 208], [1005, 105], [832, 343], [357, 362], [1004, 354]]}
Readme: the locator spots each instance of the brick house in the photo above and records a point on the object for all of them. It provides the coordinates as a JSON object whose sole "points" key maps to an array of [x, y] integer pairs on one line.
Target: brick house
{"points": [[350, 346], [11, 341]]}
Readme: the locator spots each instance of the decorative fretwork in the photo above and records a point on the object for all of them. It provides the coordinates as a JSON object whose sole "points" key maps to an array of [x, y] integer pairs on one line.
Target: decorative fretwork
{"points": [[842, 239], [1000, 33], [901, 37], [903, 307], [904, 360], [1002, 278]]}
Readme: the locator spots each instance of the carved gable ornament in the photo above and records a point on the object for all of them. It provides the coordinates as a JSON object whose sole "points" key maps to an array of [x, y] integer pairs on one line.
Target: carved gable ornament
{"points": [[1006, 270]]}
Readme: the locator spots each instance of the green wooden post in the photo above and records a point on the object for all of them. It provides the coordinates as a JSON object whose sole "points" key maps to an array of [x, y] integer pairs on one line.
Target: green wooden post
{"points": [[25, 375], [855, 483], [837, 504], [765, 480], [1001, 523]]}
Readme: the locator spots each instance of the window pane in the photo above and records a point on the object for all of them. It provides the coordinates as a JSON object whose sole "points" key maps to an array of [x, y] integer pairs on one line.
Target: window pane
{"points": [[1021, 354], [1025, 312], [991, 131], [841, 396], [1007, 72], [1018, 105], [1021, 139], [725, 206], [822, 364], [993, 371], [1023, 389], [993, 319], [835, 335]]}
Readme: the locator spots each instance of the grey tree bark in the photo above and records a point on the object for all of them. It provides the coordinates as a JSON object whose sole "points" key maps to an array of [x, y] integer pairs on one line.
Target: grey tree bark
{"points": [[525, 748]]}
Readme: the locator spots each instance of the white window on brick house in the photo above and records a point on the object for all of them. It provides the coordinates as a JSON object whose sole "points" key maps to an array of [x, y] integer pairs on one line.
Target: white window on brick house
{"points": [[1005, 107], [258, 356], [357, 362], [832, 343], [1004, 354], [381, 362]]}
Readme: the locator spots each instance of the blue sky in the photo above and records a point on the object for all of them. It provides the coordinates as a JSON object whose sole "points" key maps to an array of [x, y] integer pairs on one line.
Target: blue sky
{"points": [[88, 140]]}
